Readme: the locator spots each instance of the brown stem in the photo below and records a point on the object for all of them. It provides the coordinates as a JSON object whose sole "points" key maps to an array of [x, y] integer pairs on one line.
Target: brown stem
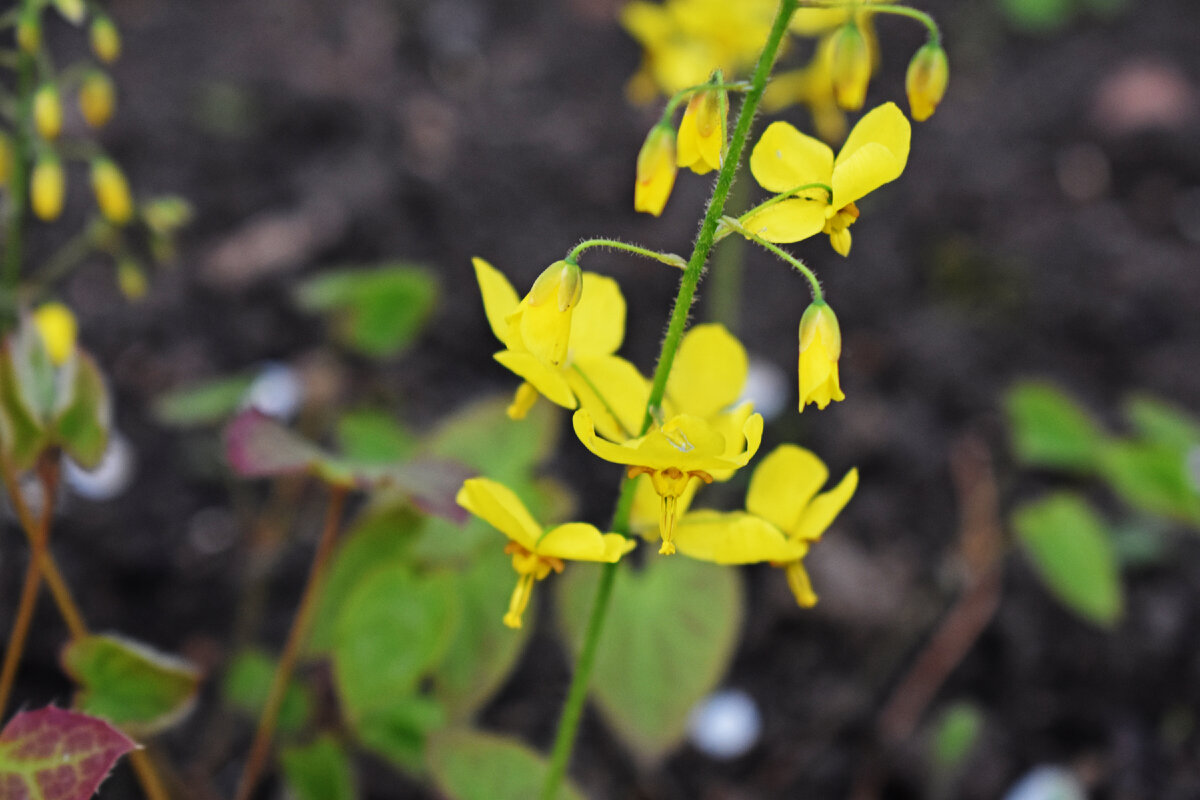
{"points": [[301, 624]]}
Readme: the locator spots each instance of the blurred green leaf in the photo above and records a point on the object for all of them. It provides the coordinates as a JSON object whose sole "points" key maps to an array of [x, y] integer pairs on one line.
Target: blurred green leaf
{"points": [[469, 765], [1038, 16], [955, 734], [21, 432], [318, 771], [248, 682], [1152, 477], [373, 437], [1162, 423], [206, 403], [1050, 430], [377, 311], [129, 684], [1071, 549], [381, 537], [671, 632], [82, 427], [397, 729], [483, 652], [482, 436]]}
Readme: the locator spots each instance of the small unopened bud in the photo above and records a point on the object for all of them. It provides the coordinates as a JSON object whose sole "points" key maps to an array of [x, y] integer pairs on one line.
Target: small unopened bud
{"points": [[701, 142], [97, 98], [29, 29], [56, 325], [106, 40], [131, 279], [928, 75], [112, 192], [655, 170], [820, 348], [73, 11], [47, 111], [851, 67], [7, 158], [166, 214], [571, 287], [47, 188]]}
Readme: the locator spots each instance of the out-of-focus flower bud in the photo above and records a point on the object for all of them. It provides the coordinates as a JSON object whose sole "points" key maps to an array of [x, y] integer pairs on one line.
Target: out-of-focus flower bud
{"points": [[851, 67], [655, 170], [47, 188], [106, 40], [112, 191], [131, 278], [97, 98], [29, 29], [58, 329], [73, 11], [166, 214], [7, 156], [928, 75], [47, 112]]}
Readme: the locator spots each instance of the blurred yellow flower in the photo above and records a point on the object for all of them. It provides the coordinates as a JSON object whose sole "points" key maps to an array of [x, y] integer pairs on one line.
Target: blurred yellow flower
{"points": [[56, 325], [820, 348], [97, 98], [926, 80], [112, 192], [536, 551], [47, 188], [655, 170]]}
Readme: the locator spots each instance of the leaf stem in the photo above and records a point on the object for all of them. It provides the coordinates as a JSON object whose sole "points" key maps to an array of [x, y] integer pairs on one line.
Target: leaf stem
{"points": [[577, 694], [669, 259], [301, 625]]}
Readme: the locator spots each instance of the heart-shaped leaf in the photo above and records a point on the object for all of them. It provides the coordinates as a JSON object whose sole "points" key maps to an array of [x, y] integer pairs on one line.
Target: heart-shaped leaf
{"points": [[1050, 429], [53, 754], [470, 765], [318, 771], [668, 640], [83, 425]]}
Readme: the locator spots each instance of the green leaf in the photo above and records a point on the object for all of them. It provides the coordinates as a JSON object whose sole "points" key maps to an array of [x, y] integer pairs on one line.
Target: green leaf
{"points": [[1050, 430], [373, 437], [482, 653], [83, 426], [955, 734], [1152, 477], [318, 771], [248, 682], [469, 765], [1072, 551], [53, 754], [397, 729], [483, 437], [377, 312], [206, 403], [21, 432], [1037, 16], [127, 683], [1162, 423], [380, 537], [670, 634]]}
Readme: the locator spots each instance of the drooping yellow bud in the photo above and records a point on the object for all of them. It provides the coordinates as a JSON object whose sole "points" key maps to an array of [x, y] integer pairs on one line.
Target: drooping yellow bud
{"points": [[655, 170], [106, 40], [926, 80], [58, 329], [544, 316], [29, 29], [112, 191], [97, 98], [7, 155], [131, 279], [72, 10], [47, 111], [47, 188], [702, 132], [820, 347], [851, 67]]}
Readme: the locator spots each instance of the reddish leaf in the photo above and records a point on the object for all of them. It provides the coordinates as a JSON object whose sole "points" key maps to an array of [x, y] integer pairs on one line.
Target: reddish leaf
{"points": [[54, 754]]}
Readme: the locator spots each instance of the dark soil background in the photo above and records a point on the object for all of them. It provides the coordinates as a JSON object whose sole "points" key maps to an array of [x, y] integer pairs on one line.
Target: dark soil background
{"points": [[1048, 225]]}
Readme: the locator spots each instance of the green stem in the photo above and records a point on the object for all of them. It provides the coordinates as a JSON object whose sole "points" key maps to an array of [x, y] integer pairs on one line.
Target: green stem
{"points": [[669, 259], [18, 192], [795, 263], [788, 195], [884, 8], [577, 694], [684, 94]]}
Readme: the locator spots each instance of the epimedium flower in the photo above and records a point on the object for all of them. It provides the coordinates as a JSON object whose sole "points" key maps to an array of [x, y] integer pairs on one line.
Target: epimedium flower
{"points": [[701, 140], [566, 356], [820, 348], [536, 551], [817, 192], [655, 170], [672, 454], [785, 514], [926, 80]]}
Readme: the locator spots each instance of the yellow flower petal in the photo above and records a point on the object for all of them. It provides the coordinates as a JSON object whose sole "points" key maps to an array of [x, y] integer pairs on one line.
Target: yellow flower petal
{"points": [[824, 509], [785, 158], [499, 298], [619, 411], [579, 541], [789, 221], [783, 484], [598, 327], [709, 371], [548, 381], [874, 154], [684, 442], [733, 538], [500, 507]]}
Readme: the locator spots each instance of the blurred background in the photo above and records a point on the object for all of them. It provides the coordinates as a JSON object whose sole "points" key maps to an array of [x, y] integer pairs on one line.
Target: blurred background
{"points": [[1047, 228]]}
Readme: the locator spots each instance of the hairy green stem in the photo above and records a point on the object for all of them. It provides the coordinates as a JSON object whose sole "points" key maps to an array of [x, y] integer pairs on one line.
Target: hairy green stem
{"points": [[573, 708], [670, 259], [794, 262]]}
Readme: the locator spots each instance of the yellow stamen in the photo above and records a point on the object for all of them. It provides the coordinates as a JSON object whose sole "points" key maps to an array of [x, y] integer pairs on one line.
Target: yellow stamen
{"points": [[670, 483], [519, 600], [523, 400]]}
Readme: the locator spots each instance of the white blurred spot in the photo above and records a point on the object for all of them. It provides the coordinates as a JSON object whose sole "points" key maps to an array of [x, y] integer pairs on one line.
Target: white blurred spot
{"points": [[726, 724], [276, 392], [212, 530], [768, 387], [1047, 783], [1193, 467], [110, 478], [1083, 172]]}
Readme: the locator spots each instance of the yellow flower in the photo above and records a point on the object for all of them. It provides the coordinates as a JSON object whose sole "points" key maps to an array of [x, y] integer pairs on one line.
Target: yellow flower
{"points": [[47, 188], [588, 373], [655, 170], [820, 347], [812, 85], [683, 448], [112, 192], [97, 98], [784, 515], [58, 329], [926, 80], [536, 551], [821, 190], [47, 112], [702, 132]]}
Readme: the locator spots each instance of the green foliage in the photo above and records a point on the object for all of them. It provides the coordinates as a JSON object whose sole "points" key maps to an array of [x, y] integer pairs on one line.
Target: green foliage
{"points": [[1052, 16], [377, 312], [76, 750], [248, 682], [955, 734], [318, 771], [671, 631], [397, 730], [1072, 551], [1154, 478], [129, 684], [206, 403], [374, 437], [469, 765], [1050, 430]]}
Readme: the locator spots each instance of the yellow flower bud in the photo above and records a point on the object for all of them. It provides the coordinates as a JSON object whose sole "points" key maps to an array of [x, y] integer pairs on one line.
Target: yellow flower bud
{"points": [[820, 347], [131, 279], [106, 41], [47, 188], [29, 29], [851, 67], [544, 316], [72, 10], [702, 132], [112, 192], [167, 213], [56, 325], [7, 156], [928, 74], [97, 98], [655, 170], [47, 112]]}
